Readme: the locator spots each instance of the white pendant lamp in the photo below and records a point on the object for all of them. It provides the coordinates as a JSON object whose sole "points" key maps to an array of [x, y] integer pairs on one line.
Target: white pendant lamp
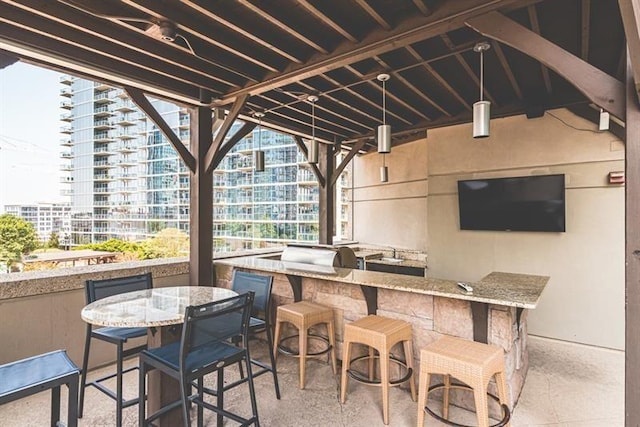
{"points": [[482, 108], [313, 150], [384, 130], [258, 155], [384, 171]]}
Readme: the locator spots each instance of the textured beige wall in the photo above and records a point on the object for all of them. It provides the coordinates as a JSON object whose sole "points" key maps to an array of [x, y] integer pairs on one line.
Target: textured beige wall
{"points": [[584, 300]]}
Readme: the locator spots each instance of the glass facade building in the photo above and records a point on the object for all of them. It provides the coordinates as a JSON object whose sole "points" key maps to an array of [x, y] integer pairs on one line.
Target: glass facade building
{"points": [[127, 182]]}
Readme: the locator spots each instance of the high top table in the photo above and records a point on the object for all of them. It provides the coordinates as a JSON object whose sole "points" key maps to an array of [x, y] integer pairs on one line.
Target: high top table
{"points": [[162, 311]]}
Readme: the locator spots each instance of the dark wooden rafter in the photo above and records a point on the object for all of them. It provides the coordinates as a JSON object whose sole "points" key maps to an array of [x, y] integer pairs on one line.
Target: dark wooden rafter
{"points": [[374, 14], [585, 28], [447, 41], [632, 249], [422, 7], [535, 26], [502, 58], [361, 97], [326, 20], [602, 89], [345, 161], [7, 59], [390, 94], [316, 171], [218, 120], [350, 107], [235, 110], [288, 123], [138, 97], [246, 128], [282, 25], [162, 10], [136, 49], [201, 7], [447, 17], [441, 80], [630, 12]]}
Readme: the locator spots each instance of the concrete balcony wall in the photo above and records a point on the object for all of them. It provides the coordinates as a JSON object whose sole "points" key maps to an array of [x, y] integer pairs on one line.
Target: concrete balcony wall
{"points": [[40, 311]]}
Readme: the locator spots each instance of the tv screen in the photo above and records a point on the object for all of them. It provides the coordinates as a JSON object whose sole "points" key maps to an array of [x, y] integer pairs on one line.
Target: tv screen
{"points": [[528, 203]]}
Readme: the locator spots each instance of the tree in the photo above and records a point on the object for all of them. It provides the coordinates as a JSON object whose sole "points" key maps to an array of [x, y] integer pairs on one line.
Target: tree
{"points": [[168, 243], [17, 237], [54, 240]]}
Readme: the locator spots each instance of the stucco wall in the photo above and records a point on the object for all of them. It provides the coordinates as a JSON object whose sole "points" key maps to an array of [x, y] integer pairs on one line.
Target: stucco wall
{"points": [[418, 208]]}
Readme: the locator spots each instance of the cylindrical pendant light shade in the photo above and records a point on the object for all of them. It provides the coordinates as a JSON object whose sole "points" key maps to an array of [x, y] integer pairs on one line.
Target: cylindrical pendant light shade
{"points": [[384, 139], [384, 174], [313, 149], [481, 115], [258, 160]]}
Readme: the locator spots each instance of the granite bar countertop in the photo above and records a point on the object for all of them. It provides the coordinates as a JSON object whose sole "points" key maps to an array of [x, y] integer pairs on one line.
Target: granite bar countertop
{"points": [[507, 289], [403, 263]]}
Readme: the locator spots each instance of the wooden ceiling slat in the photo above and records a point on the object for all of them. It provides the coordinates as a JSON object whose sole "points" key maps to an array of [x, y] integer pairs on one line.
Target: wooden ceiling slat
{"points": [[194, 25], [361, 97], [443, 82], [535, 26], [374, 14], [465, 66], [263, 41], [281, 25], [419, 93], [7, 59], [448, 16], [62, 23], [327, 20], [507, 68], [422, 7], [389, 94]]}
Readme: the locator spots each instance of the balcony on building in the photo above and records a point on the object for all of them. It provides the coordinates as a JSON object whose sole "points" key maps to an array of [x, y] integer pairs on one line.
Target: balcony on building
{"points": [[125, 119], [100, 86], [66, 117], [126, 147], [66, 142], [66, 79], [66, 92], [103, 163], [66, 192], [102, 98], [103, 136], [67, 105], [102, 124], [103, 177], [103, 110], [66, 154], [66, 129], [66, 179], [124, 105]]}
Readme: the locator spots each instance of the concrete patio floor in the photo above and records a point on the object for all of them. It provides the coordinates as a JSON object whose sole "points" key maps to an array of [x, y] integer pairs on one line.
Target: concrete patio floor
{"points": [[567, 385]]}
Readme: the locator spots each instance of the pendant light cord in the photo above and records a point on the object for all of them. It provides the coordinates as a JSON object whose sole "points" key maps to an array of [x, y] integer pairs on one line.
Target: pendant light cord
{"points": [[384, 102], [313, 121], [481, 75], [260, 134]]}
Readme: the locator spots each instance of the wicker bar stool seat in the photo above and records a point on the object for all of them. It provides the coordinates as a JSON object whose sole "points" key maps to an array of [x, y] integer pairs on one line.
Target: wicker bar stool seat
{"points": [[470, 362], [381, 334], [303, 315]]}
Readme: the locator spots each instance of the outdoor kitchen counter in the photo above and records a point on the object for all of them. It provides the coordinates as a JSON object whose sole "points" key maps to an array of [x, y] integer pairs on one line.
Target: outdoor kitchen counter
{"points": [[507, 289]]}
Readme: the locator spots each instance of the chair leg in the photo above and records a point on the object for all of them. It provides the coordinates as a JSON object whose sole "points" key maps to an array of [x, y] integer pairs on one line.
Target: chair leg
{"points": [[276, 340], [423, 396], [302, 350], [480, 397], [273, 361], [502, 390], [142, 376], [372, 363], [346, 358], [55, 406], [200, 407], [408, 355], [185, 386], [119, 386], [252, 391], [445, 396], [384, 381], [72, 404], [220, 394], [332, 342], [85, 366]]}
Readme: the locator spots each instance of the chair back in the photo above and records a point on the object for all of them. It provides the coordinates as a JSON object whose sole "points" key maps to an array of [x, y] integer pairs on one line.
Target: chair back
{"points": [[98, 289], [261, 285], [215, 322]]}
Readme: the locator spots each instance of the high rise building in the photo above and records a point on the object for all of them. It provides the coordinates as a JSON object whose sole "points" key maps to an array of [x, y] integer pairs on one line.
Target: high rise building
{"points": [[47, 218], [126, 181]]}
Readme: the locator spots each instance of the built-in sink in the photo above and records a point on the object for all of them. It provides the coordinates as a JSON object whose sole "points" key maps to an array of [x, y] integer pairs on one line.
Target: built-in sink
{"points": [[391, 259]]}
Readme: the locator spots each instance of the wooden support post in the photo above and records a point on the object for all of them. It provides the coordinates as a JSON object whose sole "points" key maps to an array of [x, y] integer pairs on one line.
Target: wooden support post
{"points": [[632, 253], [326, 199], [201, 201], [630, 13]]}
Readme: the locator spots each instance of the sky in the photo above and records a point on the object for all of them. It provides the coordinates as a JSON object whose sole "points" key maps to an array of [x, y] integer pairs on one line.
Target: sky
{"points": [[30, 135]]}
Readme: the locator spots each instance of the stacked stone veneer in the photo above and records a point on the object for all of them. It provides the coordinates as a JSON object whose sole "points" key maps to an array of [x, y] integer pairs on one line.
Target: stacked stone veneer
{"points": [[431, 317]]}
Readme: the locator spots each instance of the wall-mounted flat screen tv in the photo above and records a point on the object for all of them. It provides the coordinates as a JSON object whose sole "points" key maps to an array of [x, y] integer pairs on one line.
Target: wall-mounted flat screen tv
{"points": [[528, 203]]}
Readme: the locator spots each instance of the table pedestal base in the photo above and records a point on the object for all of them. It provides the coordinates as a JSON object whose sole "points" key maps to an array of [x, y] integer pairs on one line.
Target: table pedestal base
{"points": [[162, 389]]}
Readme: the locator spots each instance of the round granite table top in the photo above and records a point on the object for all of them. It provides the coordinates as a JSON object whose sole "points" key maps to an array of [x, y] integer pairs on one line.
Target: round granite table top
{"points": [[151, 307]]}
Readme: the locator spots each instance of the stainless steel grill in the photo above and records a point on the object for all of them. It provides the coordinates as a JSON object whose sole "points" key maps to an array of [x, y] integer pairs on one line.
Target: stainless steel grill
{"points": [[320, 255]]}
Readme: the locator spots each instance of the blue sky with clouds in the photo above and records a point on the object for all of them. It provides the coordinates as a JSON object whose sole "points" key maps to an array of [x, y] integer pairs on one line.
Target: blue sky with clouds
{"points": [[29, 135]]}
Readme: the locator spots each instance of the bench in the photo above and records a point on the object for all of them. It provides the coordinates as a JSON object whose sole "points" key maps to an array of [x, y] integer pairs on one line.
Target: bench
{"points": [[39, 373]]}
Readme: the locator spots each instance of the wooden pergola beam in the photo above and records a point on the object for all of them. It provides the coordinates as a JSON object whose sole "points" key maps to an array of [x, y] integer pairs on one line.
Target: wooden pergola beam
{"points": [[343, 164], [602, 89], [224, 150], [138, 98], [237, 107], [374, 14], [448, 17], [316, 171], [7, 59], [630, 12], [502, 58], [535, 26], [327, 20], [585, 28]]}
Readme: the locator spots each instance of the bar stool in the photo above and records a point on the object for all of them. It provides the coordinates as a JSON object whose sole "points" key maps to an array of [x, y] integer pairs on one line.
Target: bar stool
{"points": [[471, 362], [303, 315], [381, 334]]}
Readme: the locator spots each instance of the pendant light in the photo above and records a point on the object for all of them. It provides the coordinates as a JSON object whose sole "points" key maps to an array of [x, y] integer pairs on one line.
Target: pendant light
{"points": [[313, 151], [384, 130], [258, 155], [482, 108]]}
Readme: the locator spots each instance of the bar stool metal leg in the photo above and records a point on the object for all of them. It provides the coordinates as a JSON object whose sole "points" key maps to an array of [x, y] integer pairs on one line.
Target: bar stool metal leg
{"points": [[55, 406]]}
